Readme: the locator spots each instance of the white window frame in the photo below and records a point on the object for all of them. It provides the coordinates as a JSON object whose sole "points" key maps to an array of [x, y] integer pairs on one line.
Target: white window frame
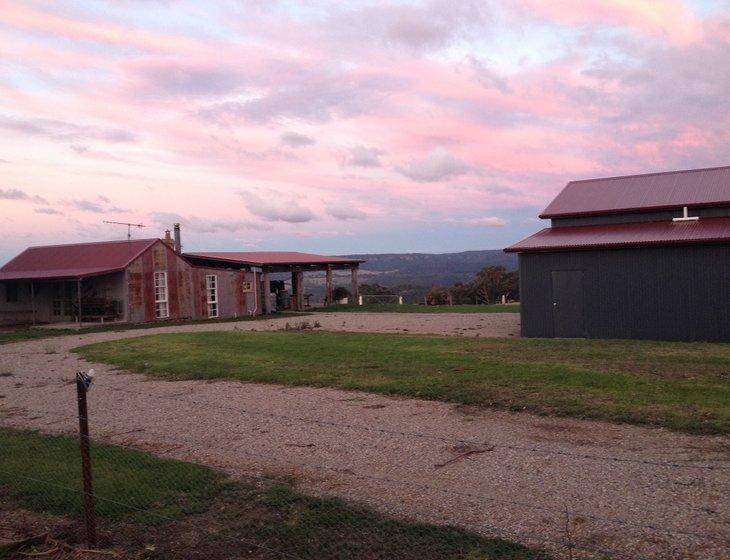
{"points": [[211, 290], [162, 305]]}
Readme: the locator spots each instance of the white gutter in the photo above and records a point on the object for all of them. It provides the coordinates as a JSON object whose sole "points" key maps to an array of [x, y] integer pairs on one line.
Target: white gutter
{"points": [[686, 217]]}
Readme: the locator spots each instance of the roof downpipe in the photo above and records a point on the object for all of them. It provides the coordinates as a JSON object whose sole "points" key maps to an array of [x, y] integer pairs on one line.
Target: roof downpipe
{"points": [[686, 217], [178, 243]]}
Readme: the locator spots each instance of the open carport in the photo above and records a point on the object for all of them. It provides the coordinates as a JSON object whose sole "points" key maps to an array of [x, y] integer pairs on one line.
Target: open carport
{"points": [[291, 262]]}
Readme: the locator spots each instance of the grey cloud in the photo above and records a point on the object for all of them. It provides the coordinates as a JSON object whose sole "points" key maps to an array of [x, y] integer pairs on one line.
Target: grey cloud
{"points": [[13, 194], [276, 209], [64, 131], [319, 95], [87, 206], [494, 188], [419, 26], [489, 77], [485, 221], [102, 206], [295, 140], [204, 225], [183, 79], [17, 194], [51, 211], [439, 165], [343, 211], [362, 156]]}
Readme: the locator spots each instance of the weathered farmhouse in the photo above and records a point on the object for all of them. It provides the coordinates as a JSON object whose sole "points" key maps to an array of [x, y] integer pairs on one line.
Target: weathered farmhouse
{"points": [[642, 256], [147, 280]]}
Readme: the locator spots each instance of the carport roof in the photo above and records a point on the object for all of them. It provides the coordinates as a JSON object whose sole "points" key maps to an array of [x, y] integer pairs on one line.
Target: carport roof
{"points": [[78, 260], [643, 234], [273, 258]]}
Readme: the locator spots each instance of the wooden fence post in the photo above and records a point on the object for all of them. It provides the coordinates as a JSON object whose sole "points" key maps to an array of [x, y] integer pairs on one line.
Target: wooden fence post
{"points": [[83, 381]]}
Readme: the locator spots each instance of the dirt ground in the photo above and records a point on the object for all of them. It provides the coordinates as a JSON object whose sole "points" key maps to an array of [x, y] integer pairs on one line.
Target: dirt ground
{"points": [[641, 492]]}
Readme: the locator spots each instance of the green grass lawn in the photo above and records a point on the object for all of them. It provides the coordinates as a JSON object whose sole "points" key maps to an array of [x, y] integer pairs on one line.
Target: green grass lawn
{"points": [[233, 516], [683, 386], [18, 335], [413, 308]]}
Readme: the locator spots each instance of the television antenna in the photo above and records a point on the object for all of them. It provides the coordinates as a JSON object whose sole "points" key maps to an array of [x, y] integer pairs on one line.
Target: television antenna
{"points": [[129, 227]]}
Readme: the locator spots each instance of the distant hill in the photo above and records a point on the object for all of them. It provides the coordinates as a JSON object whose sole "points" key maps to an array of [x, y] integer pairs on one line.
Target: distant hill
{"points": [[431, 269], [413, 274]]}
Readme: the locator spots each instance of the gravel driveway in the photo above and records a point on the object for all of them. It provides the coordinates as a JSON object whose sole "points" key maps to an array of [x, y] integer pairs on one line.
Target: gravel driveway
{"points": [[640, 491]]}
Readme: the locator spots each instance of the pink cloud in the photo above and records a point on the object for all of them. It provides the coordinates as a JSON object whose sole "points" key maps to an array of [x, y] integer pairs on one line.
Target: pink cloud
{"points": [[669, 19], [23, 17], [354, 131]]}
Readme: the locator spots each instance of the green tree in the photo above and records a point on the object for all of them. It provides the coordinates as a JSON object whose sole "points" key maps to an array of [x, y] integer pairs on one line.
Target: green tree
{"points": [[463, 294], [375, 290], [438, 296], [492, 282], [340, 292]]}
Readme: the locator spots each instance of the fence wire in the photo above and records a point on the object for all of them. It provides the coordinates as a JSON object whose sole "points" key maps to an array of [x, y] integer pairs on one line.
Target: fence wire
{"points": [[173, 508]]}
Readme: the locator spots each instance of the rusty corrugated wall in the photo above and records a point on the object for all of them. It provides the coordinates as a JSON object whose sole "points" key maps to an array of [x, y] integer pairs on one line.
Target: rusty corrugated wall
{"points": [[187, 297]]}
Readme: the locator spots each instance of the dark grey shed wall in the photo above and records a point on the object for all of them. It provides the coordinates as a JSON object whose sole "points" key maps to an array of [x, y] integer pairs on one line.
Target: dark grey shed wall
{"points": [[666, 215], [659, 293]]}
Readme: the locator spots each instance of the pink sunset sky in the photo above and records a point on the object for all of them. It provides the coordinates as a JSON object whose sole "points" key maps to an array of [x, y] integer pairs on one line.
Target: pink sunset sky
{"points": [[344, 127]]}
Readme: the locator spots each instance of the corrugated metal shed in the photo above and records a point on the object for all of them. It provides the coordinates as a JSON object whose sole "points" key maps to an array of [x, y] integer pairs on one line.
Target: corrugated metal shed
{"points": [[708, 230], [635, 193], [79, 260], [272, 258]]}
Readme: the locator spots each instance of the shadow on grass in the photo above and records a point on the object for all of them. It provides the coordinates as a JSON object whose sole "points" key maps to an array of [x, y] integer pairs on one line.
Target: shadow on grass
{"points": [[34, 333], [183, 510]]}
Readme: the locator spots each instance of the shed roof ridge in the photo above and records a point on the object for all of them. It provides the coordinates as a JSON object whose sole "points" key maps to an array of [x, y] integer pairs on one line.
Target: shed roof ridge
{"points": [[148, 240], [653, 173]]}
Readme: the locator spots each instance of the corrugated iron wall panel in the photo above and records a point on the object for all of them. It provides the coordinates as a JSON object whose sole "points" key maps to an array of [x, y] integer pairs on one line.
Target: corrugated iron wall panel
{"points": [[659, 293]]}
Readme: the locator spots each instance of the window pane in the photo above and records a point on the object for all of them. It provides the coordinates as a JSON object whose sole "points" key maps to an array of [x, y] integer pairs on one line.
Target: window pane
{"points": [[211, 284]]}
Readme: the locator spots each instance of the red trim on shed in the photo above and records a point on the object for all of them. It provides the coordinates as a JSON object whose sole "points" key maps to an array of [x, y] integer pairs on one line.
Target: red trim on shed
{"points": [[272, 258], [703, 231]]}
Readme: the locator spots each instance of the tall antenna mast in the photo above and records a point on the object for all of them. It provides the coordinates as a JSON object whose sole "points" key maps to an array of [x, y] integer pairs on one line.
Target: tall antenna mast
{"points": [[129, 227]]}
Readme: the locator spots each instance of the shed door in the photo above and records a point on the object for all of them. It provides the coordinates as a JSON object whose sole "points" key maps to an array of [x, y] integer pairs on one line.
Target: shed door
{"points": [[568, 304]]}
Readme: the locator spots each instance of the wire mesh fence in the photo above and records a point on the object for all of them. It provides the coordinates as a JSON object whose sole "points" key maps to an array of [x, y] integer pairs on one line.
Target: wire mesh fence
{"points": [[218, 493]]}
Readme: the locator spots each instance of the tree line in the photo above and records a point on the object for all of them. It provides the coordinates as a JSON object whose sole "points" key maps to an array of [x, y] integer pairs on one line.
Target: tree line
{"points": [[489, 285]]}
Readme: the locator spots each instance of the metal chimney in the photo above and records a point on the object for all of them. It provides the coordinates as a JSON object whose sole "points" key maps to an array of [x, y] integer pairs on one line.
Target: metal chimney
{"points": [[178, 245]]}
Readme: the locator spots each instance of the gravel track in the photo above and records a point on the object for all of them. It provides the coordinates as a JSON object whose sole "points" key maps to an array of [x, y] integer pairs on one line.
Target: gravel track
{"points": [[384, 451]]}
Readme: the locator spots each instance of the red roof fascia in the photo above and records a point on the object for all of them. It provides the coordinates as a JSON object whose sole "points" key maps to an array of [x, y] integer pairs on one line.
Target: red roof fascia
{"points": [[272, 258], [79, 260], [637, 193], [61, 274], [646, 234]]}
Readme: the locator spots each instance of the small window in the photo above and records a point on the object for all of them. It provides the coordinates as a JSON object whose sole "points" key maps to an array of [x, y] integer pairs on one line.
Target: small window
{"points": [[11, 293], [247, 287], [162, 309], [211, 287]]}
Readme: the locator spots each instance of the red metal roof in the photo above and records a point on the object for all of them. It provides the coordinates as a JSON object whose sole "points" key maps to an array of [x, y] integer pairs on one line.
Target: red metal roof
{"points": [[706, 230], [636, 193], [272, 258], [78, 260]]}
